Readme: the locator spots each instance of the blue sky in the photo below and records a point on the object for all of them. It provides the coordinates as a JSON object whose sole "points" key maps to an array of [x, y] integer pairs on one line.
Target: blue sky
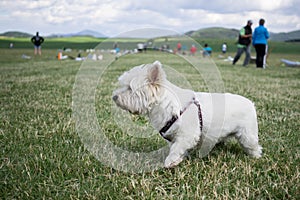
{"points": [[112, 17]]}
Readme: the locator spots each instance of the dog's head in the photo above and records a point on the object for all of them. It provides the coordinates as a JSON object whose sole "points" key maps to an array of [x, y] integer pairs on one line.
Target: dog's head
{"points": [[140, 87]]}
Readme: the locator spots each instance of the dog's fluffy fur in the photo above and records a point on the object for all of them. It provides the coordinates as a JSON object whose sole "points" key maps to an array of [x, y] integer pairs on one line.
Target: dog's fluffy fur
{"points": [[145, 90]]}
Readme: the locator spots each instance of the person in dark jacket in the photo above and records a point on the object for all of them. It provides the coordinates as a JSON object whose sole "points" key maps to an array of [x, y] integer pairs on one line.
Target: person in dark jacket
{"points": [[244, 43], [37, 42], [260, 41]]}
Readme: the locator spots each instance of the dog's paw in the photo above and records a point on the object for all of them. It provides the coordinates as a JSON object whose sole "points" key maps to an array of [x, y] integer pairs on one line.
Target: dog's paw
{"points": [[256, 153], [172, 161]]}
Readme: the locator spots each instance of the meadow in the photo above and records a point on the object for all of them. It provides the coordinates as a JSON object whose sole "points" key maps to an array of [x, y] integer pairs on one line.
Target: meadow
{"points": [[42, 156]]}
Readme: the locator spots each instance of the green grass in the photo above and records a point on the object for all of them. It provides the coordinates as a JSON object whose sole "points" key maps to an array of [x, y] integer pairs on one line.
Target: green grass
{"points": [[90, 43], [42, 157], [53, 43]]}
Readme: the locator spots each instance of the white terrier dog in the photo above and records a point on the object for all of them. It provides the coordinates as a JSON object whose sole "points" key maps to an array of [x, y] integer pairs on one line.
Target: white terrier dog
{"points": [[185, 118]]}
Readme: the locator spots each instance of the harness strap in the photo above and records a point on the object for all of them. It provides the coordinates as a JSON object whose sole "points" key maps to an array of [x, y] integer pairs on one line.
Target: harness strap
{"points": [[197, 103], [168, 124], [175, 118]]}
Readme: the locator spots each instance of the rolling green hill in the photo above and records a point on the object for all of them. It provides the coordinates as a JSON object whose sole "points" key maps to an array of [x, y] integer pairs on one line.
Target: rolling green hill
{"points": [[225, 33], [208, 33], [290, 36], [213, 33], [15, 34]]}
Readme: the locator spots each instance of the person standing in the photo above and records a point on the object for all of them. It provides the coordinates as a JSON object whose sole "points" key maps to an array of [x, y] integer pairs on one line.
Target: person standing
{"points": [[260, 41], [207, 50], [179, 47], [193, 50], [244, 43], [224, 47], [37, 42]]}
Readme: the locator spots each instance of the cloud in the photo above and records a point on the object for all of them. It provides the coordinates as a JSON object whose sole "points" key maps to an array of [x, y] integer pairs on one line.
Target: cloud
{"points": [[115, 16], [233, 6]]}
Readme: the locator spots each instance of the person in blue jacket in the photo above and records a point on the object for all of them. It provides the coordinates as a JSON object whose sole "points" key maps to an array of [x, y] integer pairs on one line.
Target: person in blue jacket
{"points": [[260, 41]]}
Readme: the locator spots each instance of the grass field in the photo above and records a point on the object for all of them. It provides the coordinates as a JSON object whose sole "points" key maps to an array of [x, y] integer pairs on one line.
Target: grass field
{"points": [[42, 156]]}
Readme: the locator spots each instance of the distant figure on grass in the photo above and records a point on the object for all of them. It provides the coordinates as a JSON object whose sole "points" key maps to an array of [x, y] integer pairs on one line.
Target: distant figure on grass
{"points": [[179, 47], [207, 50], [244, 43], [140, 47], [193, 50], [37, 42], [260, 41], [224, 47], [115, 45]]}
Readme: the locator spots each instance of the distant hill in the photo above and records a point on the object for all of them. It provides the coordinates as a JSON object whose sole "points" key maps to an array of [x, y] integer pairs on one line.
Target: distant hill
{"points": [[216, 32], [213, 33], [290, 36], [15, 34], [89, 33], [224, 33]]}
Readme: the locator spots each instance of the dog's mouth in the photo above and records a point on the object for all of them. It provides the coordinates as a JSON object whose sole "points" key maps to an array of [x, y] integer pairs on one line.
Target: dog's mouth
{"points": [[115, 98], [134, 112]]}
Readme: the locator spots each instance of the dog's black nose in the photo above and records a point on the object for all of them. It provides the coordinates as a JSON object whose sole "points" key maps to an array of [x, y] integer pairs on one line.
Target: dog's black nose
{"points": [[115, 97]]}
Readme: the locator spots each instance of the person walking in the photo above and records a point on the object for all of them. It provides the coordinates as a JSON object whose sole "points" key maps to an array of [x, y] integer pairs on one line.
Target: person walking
{"points": [[260, 41], [244, 43], [37, 42]]}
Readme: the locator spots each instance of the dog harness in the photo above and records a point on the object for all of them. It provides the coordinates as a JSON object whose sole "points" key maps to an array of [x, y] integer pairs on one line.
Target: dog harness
{"points": [[175, 118]]}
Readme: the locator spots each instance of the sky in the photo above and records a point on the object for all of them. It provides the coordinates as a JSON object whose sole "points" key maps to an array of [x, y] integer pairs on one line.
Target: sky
{"points": [[113, 17]]}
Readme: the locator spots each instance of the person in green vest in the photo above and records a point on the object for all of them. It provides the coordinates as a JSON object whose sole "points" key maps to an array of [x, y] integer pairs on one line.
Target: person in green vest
{"points": [[244, 43]]}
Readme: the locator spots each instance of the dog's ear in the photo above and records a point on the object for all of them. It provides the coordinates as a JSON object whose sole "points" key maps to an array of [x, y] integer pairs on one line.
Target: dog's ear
{"points": [[156, 74]]}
